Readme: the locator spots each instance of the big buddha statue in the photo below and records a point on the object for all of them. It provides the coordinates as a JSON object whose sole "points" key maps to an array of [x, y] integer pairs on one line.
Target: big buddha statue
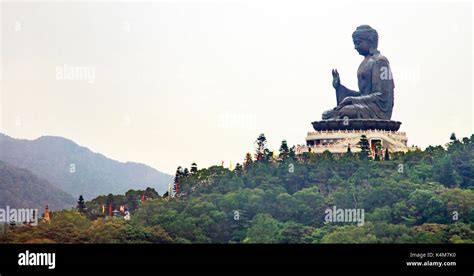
{"points": [[371, 105]]}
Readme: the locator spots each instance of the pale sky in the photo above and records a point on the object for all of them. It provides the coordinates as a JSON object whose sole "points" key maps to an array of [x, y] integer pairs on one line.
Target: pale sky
{"points": [[171, 83]]}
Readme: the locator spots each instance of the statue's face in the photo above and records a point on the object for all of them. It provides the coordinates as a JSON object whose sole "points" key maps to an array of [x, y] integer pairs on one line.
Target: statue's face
{"points": [[362, 46]]}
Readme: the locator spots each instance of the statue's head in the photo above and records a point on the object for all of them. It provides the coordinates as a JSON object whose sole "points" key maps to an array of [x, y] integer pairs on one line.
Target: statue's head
{"points": [[365, 40]]}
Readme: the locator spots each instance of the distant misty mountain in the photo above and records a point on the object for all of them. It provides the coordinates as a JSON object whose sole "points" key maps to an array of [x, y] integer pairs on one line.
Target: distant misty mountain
{"points": [[19, 188], [77, 170]]}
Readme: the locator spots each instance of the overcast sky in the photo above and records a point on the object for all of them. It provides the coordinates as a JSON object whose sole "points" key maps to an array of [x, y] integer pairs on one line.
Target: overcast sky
{"points": [[168, 84]]}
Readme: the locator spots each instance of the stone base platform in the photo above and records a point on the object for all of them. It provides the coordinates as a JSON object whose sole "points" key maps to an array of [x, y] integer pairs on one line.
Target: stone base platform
{"points": [[337, 141]]}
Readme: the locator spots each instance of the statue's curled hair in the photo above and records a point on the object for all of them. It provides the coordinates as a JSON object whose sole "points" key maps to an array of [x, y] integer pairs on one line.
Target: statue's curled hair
{"points": [[367, 33]]}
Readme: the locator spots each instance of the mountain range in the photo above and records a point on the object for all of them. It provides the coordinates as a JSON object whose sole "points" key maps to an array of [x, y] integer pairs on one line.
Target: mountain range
{"points": [[75, 169], [22, 189]]}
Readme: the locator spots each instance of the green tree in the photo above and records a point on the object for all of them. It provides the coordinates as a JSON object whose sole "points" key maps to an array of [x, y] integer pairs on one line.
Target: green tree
{"points": [[446, 173], [238, 168], [261, 150], [311, 206], [429, 207], [458, 200], [109, 202], [81, 206], [194, 168], [264, 229], [178, 176], [453, 137], [284, 150], [364, 146], [293, 232], [248, 160], [292, 153], [351, 234]]}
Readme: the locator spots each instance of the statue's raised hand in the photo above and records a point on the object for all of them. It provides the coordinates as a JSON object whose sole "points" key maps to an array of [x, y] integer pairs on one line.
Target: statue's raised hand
{"points": [[336, 81]]}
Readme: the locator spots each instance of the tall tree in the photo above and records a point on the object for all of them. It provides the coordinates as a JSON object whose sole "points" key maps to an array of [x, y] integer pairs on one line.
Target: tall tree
{"points": [[238, 168], [177, 178], [292, 153], [284, 150], [261, 150], [109, 202], [81, 206], [268, 155], [194, 168], [248, 160], [364, 146], [453, 137], [186, 172]]}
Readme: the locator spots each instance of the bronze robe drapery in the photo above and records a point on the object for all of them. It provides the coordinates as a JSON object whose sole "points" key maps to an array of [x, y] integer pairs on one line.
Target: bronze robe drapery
{"points": [[375, 99]]}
